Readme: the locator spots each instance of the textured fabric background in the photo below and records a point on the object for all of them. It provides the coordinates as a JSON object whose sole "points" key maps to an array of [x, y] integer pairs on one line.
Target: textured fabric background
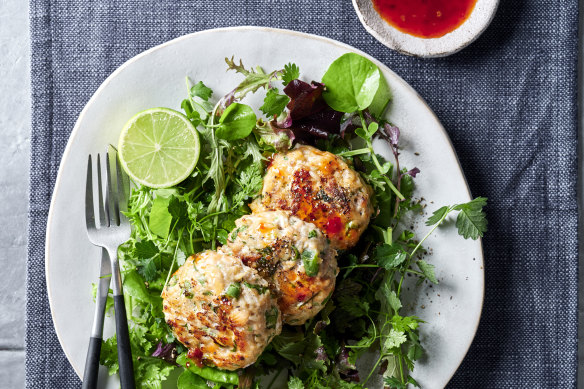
{"points": [[508, 102]]}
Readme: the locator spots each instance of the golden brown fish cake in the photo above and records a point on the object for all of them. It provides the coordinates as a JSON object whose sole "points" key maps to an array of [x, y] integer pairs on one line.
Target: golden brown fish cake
{"points": [[320, 188], [221, 310], [292, 255]]}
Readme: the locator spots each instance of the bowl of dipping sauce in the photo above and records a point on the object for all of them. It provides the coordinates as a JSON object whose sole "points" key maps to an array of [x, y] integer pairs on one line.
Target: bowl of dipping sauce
{"points": [[426, 28]]}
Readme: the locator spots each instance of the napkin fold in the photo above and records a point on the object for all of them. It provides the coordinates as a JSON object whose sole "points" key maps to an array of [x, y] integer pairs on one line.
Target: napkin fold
{"points": [[508, 103]]}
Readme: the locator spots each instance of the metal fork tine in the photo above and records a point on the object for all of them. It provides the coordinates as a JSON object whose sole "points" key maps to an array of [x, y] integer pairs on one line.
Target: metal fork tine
{"points": [[122, 192], [114, 214], [89, 207], [101, 205]]}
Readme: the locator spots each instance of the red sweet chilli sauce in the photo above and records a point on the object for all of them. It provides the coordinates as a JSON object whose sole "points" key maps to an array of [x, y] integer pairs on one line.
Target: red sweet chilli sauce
{"points": [[425, 18]]}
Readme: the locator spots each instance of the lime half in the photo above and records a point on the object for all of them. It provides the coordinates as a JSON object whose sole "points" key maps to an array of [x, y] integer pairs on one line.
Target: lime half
{"points": [[159, 147]]}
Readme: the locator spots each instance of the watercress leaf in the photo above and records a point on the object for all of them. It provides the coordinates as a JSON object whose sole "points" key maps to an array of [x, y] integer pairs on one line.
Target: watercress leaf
{"points": [[361, 133], [274, 103], [160, 217], [428, 270], [471, 221], [389, 256], [291, 72], [295, 383], [372, 129], [437, 215], [237, 122], [351, 83], [381, 99], [188, 380], [385, 168], [207, 372], [201, 91]]}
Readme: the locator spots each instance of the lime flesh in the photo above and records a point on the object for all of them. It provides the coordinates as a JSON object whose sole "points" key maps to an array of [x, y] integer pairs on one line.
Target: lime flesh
{"points": [[159, 147]]}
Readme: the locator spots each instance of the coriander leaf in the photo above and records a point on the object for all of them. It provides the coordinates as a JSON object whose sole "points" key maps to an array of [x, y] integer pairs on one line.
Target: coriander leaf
{"points": [[233, 290], [250, 183], [394, 339], [394, 383], [394, 301], [405, 323], [237, 122], [415, 351], [353, 305], [292, 351], [259, 288], [351, 83], [149, 271], [310, 261], [179, 211], [437, 215], [145, 249], [428, 270], [180, 257], [190, 112], [295, 383], [412, 381], [274, 103], [201, 91], [291, 72], [390, 256], [471, 221]]}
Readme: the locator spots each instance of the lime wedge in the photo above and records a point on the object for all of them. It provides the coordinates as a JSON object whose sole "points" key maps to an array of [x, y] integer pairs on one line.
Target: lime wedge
{"points": [[159, 147]]}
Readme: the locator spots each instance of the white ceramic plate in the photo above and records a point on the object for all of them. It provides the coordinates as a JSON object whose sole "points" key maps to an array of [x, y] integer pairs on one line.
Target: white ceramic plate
{"points": [[157, 78]]}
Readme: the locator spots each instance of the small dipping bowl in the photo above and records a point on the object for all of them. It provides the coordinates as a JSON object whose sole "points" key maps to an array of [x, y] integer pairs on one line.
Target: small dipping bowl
{"points": [[450, 43]]}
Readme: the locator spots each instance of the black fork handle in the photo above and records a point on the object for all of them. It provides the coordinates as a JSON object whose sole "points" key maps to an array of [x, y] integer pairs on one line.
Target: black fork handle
{"points": [[92, 364], [124, 351]]}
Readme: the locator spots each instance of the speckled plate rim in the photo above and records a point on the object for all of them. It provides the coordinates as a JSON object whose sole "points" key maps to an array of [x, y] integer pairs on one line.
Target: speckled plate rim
{"points": [[76, 132], [451, 43]]}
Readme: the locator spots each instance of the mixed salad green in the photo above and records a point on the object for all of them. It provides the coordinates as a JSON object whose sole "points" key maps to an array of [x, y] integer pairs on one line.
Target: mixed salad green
{"points": [[343, 114]]}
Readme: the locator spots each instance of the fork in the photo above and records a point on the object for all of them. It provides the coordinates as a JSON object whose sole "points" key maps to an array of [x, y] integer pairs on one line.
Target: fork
{"points": [[109, 232]]}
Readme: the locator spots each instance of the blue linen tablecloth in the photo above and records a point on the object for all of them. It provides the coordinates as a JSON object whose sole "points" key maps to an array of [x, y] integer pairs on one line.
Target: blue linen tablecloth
{"points": [[508, 103]]}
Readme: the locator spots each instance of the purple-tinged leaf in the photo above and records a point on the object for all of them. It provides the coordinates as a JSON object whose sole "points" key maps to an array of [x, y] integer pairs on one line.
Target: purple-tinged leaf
{"points": [[413, 172], [305, 99], [320, 354], [392, 133], [284, 121], [347, 370], [166, 352], [317, 125]]}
